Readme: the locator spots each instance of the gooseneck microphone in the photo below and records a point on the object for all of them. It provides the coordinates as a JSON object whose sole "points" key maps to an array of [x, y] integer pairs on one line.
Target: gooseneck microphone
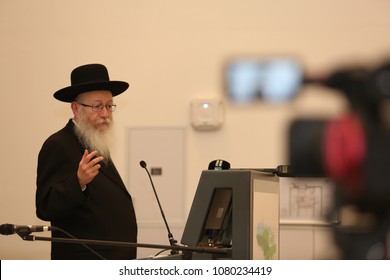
{"points": [[280, 170], [24, 232], [8, 229], [172, 241]]}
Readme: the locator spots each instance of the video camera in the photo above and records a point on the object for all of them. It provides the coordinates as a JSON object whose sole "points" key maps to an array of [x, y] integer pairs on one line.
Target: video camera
{"points": [[352, 150]]}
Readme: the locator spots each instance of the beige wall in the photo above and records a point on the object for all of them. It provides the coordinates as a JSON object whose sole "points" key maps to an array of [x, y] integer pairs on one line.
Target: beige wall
{"points": [[170, 52]]}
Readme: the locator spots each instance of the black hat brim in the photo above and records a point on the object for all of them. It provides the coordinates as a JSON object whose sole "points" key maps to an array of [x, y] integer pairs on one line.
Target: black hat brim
{"points": [[70, 93]]}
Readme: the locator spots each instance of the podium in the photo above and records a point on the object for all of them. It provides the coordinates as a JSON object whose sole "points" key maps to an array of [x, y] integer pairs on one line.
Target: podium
{"points": [[237, 209]]}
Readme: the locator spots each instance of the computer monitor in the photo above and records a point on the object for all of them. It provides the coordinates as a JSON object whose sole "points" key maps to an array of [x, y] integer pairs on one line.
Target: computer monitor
{"points": [[237, 209]]}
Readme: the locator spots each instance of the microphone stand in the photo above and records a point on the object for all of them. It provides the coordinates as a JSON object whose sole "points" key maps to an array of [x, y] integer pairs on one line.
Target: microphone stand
{"points": [[172, 240], [187, 251], [280, 170]]}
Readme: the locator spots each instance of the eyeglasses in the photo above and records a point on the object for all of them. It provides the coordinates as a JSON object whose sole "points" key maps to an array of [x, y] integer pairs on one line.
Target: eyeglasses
{"points": [[99, 108]]}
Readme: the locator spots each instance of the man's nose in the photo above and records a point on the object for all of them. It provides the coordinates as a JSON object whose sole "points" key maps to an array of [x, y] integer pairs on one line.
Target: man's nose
{"points": [[104, 111]]}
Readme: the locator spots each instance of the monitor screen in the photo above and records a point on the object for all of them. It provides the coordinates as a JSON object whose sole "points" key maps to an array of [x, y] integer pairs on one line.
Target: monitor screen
{"points": [[272, 79]]}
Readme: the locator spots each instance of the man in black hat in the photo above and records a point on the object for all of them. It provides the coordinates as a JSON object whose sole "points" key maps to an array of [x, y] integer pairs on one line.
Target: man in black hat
{"points": [[79, 189]]}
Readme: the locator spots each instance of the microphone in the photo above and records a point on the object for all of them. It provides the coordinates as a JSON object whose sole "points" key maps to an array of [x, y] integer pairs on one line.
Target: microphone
{"points": [[24, 232], [8, 229], [280, 171], [172, 241]]}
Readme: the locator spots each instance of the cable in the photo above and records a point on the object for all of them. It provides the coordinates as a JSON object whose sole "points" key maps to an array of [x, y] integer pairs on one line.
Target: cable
{"points": [[85, 245]]}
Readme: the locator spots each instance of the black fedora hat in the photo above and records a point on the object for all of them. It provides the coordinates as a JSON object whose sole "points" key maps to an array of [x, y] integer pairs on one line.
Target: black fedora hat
{"points": [[88, 78]]}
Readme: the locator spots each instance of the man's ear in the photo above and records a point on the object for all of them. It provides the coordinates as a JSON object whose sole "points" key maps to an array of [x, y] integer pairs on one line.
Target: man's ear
{"points": [[74, 107]]}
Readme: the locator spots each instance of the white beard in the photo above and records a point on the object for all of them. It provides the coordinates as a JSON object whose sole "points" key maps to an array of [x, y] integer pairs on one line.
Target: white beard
{"points": [[94, 139]]}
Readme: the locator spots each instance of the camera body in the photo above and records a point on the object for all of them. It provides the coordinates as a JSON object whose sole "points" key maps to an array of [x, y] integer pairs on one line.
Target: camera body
{"points": [[352, 150]]}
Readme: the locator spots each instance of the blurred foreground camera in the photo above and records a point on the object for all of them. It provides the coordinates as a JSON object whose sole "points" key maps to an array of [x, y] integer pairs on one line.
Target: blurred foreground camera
{"points": [[354, 152]]}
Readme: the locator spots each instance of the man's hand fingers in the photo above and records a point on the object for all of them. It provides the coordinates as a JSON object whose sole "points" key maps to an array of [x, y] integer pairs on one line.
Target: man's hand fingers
{"points": [[96, 160], [88, 167]]}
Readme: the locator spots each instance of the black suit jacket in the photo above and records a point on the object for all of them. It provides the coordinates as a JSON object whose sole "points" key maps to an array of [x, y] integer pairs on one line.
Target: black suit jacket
{"points": [[104, 211]]}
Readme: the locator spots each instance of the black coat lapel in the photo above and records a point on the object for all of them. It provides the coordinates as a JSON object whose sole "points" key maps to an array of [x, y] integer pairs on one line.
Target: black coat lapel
{"points": [[110, 171]]}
